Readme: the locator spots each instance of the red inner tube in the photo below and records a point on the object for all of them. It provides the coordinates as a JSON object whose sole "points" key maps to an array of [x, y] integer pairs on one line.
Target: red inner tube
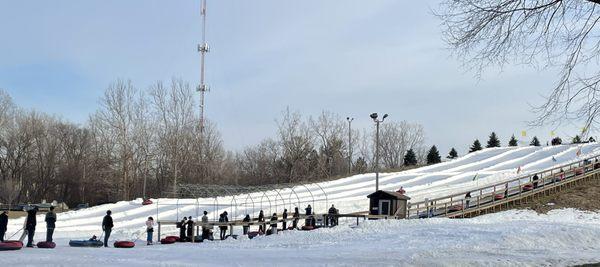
{"points": [[46, 244], [173, 237], [307, 228], [11, 245], [124, 244], [167, 240]]}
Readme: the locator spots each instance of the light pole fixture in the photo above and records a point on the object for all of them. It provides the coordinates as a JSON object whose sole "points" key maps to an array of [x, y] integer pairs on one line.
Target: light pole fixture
{"points": [[349, 119], [377, 122]]}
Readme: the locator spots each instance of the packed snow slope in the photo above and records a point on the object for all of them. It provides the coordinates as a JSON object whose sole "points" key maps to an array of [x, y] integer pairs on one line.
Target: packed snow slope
{"points": [[511, 238], [491, 166]]}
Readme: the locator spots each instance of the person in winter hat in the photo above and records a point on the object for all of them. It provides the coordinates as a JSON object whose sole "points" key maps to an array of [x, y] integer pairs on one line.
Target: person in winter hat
{"points": [[246, 227], [274, 224], [50, 224], [182, 225], [149, 230], [107, 225]]}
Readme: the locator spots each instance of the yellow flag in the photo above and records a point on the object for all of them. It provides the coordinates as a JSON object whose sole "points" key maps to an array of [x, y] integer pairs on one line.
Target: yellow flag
{"points": [[552, 133], [583, 129], [523, 133]]}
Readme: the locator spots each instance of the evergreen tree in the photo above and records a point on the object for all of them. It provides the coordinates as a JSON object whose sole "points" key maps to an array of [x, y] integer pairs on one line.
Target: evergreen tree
{"points": [[576, 139], [476, 146], [433, 156], [453, 154], [493, 141], [513, 141], [535, 141], [410, 159], [360, 165], [591, 140], [556, 141]]}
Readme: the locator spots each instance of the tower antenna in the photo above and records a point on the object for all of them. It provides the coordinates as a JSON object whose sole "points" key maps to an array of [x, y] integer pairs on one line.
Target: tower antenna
{"points": [[203, 49]]}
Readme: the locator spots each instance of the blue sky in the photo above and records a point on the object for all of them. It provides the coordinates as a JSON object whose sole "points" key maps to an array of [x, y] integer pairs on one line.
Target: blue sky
{"points": [[351, 57]]}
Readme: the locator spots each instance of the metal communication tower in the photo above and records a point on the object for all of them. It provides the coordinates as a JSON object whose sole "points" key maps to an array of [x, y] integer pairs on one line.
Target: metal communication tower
{"points": [[203, 49]]}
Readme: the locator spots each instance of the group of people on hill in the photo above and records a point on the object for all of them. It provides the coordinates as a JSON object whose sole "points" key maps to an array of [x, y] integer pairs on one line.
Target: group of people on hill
{"points": [[30, 225]]}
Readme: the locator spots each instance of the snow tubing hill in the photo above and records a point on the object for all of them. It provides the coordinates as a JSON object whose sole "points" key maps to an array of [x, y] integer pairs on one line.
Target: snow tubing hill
{"points": [[124, 244], [11, 245], [86, 243], [44, 244]]}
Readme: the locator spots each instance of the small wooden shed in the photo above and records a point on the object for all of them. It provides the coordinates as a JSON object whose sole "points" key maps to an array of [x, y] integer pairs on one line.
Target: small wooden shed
{"points": [[388, 203]]}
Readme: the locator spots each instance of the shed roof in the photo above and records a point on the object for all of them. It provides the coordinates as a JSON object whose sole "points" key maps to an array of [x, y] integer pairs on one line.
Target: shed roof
{"points": [[390, 194]]}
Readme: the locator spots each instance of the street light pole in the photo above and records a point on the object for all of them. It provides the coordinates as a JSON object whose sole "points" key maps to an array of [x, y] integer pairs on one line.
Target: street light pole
{"points": [[374, 117], [349, 144]]}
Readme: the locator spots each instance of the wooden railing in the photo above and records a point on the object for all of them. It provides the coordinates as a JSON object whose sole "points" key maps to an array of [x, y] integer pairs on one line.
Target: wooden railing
{"points": [[490, 195]]}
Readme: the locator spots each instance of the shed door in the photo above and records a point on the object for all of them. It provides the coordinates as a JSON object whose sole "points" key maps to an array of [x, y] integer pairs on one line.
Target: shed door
{"points": [[384, 207]]}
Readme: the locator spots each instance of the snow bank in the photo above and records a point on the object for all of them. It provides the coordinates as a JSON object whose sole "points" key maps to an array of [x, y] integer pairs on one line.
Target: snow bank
{"points": [[560, 238]]}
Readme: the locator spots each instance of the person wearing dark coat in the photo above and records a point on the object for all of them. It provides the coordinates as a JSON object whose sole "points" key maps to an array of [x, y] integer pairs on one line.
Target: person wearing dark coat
{"points": [[50, 224], [30, 225], [223, 219], [246, 227], [285, 215], [296, 217], [182, 225], [107, 226], [3, 225], [535, 181], [262, 226], [330, 219], [308, 220], [274, 224], [190, 228]]}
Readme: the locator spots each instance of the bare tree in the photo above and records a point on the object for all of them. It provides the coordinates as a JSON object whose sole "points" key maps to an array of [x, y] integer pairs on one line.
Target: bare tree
{"points": [[559, 34], [395, 139]]}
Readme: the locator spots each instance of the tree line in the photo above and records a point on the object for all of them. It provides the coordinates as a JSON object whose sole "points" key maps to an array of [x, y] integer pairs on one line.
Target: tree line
{"points": [[146, 141]]}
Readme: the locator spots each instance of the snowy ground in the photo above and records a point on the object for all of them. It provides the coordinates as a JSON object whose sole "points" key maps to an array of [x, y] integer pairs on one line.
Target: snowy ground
{"points": [[561, 238]]}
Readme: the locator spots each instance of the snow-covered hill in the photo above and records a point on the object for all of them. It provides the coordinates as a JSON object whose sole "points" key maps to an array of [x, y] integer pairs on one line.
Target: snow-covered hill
{"points": [[348, 194], [511, 238]]}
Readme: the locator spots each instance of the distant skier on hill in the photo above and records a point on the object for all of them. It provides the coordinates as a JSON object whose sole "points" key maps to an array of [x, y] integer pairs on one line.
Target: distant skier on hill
{"points": [[107, 225]]}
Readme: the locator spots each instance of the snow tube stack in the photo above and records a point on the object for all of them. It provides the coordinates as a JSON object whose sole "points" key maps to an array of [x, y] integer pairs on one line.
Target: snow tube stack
{"points": [[45, 244], [86, 243], [124, 244], [11, 245]]}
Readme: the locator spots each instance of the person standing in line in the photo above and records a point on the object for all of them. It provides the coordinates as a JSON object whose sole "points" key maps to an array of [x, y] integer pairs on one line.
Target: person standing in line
{"points": [[190, 229], [296, 217], [107, 226], [285, 215], [467, 200], [3, 225], [246, 227], [182, 225], [274, 224], [262, 226], [223, 228], [50, 224], [30, 224], [205, 227], [149, 230]]}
